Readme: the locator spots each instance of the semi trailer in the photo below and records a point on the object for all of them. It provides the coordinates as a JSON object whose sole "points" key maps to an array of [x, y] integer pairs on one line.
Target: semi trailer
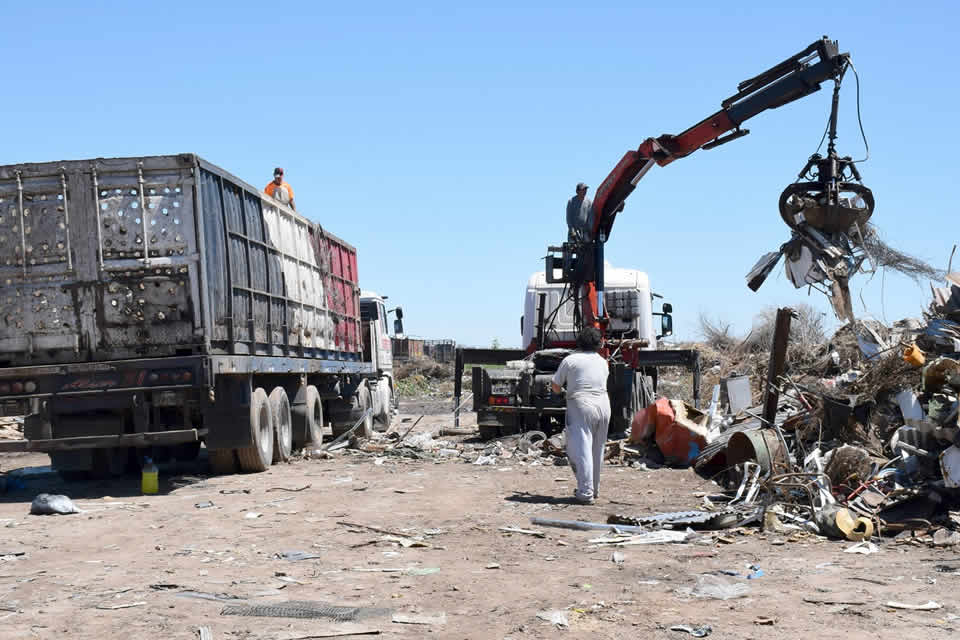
{"points": [[150, 305]]}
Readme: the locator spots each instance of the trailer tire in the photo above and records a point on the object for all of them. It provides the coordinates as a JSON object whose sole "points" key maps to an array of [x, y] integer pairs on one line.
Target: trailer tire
{"points": [[222, 461], [307, 418], [259, 455], [282, 427]]}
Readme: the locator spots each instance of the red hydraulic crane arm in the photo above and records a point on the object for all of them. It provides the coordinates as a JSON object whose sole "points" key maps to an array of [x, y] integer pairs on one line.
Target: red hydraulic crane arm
{"points": [[792, 79]]}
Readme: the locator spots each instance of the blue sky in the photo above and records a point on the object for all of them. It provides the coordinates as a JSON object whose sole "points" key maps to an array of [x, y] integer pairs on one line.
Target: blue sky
{"points": [[443, 140]]}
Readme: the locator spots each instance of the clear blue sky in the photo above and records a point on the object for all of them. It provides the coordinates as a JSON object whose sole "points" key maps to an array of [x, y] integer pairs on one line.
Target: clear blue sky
{"points": [[443, 140]]}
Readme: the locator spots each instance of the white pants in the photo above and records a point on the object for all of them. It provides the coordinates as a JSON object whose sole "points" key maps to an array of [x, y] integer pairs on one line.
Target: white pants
{"points": [[588, 419]]}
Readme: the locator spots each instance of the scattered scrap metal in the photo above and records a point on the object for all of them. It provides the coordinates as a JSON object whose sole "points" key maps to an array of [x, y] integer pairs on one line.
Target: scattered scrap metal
{"points": [[863, 443]]}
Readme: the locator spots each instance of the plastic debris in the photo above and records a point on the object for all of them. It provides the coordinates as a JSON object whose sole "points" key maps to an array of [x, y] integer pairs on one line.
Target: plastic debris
{"points": [[946, 538], [297, 556], [555, 617], [701, 631], [718, 588], [927, 606], [664, 536], [865, 548], [419, 618], [47, 504]]}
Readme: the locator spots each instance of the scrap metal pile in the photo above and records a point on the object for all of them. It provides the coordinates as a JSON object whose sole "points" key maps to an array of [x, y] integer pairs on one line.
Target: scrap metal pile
{"points": [[864, 443]]}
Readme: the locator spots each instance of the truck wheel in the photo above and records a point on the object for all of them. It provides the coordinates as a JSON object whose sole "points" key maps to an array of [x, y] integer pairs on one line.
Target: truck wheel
{"points": [[222, 461], [347, 412], [386, 411], [489, 431], [282, 428], [307, 418], [259, 455], [366, 402]]}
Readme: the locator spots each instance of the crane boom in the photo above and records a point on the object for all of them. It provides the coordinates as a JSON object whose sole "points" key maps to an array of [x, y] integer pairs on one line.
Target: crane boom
{"points": [[796, 77]]}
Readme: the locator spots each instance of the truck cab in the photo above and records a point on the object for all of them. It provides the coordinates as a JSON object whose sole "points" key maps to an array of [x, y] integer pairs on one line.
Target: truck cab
{"points": [[518, 395], [378, 350], [627, 298]]}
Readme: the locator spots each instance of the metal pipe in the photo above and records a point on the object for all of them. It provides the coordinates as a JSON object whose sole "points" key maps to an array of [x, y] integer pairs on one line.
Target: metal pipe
{"points": [[598, 271], [834, 107], [23, 221], [96, 203], [579, 525], [66, 215], [143, 213]]}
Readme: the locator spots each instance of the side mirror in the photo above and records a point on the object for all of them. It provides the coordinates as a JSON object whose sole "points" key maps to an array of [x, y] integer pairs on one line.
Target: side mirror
{"points": [[399, 313], [398, 327], [667, 307], [666, 323]]}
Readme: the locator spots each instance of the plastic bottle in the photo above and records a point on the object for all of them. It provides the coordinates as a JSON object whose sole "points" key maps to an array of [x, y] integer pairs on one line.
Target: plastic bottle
{"points": [[150, 477]]}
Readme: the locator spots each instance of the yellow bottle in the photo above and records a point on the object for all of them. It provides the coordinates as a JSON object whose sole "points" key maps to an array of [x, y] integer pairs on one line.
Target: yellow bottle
{"points": [[150, 477]]}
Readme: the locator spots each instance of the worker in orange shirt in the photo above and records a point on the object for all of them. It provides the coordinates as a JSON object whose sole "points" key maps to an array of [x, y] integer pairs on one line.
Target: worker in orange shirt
{"points": [[280, 190]]}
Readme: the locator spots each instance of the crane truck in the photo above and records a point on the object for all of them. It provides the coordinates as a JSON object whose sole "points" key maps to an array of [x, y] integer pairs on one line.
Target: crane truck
{"points": [[827, 199]]}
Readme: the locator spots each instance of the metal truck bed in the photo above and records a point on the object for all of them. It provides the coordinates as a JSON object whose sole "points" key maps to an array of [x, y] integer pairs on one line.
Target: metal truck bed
{"points": [[126, 258]]}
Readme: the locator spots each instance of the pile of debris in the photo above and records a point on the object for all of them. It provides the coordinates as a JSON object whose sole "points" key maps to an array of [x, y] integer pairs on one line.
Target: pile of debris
{"points": [[862, 442], [424, 378]]}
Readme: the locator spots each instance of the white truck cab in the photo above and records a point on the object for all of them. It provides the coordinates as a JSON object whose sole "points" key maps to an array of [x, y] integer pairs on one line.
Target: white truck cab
{"points": [[378, 350], [634, 319]]}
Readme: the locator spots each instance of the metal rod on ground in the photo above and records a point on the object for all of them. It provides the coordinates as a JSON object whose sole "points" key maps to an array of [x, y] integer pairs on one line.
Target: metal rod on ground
{"points": [[407, 432], [579, 525], [346, 434]]}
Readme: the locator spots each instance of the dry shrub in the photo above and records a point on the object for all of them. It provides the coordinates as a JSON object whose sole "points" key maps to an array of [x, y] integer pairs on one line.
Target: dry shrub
{"points": [[424, 367], [716, 334], [806, 329]]}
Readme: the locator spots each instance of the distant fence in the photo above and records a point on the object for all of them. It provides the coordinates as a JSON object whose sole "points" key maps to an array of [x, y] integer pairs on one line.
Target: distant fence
{"points": [[440, 350], [406, 349]]}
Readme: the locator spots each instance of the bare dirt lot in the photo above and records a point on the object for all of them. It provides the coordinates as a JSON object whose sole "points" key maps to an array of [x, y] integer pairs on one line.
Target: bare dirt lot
{"points": [[162, 566]]}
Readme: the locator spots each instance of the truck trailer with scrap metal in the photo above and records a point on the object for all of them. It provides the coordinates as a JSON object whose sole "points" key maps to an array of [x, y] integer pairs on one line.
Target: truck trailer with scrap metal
{"points": [[151, 304]]}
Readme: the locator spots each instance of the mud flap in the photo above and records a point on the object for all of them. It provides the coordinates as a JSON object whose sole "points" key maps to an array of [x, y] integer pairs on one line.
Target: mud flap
{"points": [[225, 418]]}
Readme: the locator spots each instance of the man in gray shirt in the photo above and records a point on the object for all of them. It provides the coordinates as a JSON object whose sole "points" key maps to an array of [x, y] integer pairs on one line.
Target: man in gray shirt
{"points": [[580, 215], [584, 373]]}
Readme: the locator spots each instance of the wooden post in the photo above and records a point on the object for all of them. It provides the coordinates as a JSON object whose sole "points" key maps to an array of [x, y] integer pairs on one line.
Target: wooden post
{"points": [[778, 362]]}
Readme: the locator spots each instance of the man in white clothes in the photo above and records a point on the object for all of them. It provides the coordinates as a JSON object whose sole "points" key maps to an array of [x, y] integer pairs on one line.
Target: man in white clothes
{"points": [[585, 373]]}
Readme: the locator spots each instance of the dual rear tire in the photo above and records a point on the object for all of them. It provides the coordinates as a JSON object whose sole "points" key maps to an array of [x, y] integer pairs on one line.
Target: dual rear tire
{"points": [[259, 455], [276, 428]]}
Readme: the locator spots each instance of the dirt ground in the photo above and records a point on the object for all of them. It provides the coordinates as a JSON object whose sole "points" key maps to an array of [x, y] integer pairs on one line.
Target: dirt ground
{"points": [[133, 565]]}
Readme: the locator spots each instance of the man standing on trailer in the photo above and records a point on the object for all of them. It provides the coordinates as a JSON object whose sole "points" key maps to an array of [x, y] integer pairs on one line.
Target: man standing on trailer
{"points": [[278, 189], [584, 373]]}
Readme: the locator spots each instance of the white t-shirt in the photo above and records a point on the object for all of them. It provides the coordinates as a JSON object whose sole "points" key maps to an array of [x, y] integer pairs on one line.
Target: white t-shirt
{"points": [[583, 373]]}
